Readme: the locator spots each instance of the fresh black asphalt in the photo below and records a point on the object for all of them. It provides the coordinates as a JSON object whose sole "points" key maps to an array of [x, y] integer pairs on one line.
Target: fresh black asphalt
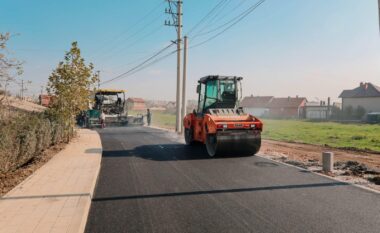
{"points": [[151, 182]]}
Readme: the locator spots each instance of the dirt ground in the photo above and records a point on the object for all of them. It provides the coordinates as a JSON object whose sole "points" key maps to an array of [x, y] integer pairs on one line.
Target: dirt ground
{"points": [[306, 152], [22, 104], [11, 179], [352, 166]]}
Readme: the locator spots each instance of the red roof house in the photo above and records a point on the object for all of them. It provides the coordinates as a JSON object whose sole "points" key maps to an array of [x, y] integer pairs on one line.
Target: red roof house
{"points": [[136, 104], [290, 107]]}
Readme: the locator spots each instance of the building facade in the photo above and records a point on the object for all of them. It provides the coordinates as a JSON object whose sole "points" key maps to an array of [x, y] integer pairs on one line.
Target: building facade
{"points": [[136, 104], [367, 96], [256, 105], [272, 107], [288, 108]]}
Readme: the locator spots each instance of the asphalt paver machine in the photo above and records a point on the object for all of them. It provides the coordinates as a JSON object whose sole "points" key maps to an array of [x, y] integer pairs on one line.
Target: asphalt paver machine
{"points": [[113, 104]]}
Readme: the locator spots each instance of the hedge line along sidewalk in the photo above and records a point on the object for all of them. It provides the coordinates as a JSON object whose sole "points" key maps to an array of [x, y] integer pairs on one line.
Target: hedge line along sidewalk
{"points": [[57, 197]]}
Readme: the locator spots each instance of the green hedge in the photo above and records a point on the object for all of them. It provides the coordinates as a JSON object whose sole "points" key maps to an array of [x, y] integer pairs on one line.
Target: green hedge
{"points": [[26, 136]]}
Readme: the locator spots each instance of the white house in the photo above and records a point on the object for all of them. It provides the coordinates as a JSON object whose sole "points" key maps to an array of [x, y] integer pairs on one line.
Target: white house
{"points": [[367, 95]]}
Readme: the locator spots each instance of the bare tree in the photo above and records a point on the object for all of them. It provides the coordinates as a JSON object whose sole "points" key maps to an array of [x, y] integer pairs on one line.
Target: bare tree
{"points": [[10, 68]]}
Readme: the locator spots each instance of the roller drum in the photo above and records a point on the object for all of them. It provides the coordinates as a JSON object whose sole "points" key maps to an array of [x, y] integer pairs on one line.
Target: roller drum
{"points": [[234, 143]]}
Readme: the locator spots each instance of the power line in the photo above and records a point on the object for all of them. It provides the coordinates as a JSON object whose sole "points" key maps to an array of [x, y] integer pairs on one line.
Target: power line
{"points": [[151, 63], [226, 23], [237, 20], [214, 18], [138, 22], [220, 3], [139, 65], [135, 42]]}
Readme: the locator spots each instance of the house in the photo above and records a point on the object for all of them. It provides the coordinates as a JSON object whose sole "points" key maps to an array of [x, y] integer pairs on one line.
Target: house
{"points": [[136, 104], [45, 100], [171, 107], [256, 105], [318, 110], [272, 107], [366, 96], [290, 107]]}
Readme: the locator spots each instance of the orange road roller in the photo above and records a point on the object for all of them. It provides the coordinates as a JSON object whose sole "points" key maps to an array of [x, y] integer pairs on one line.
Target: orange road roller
{"points": [[218, 122]]}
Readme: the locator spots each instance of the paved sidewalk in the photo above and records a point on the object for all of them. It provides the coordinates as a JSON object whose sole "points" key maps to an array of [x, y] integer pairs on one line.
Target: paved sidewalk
{"points": [[57, 197]]}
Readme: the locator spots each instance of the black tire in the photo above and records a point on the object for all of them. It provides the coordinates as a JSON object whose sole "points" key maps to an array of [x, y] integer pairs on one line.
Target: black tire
{"points": [[257, 145], [211, 144], [188, 133]]}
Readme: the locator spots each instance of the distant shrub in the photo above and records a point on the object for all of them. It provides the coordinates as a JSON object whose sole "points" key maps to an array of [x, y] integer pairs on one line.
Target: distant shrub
{"points": [[360, 112], [358, 137]]}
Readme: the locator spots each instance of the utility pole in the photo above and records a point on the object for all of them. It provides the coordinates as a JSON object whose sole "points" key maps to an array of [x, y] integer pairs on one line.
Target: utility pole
{"points": [[184, 81], [177, 23], [42, 92], [22, 89], [98, 72]]}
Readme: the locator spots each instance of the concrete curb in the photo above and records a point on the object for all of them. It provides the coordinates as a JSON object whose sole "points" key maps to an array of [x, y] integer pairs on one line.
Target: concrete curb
{"points": [[156, 127], [82, 226]]}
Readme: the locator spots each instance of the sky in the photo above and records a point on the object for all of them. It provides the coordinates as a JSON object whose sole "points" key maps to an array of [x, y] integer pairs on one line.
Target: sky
{"points": [[313, 48]]}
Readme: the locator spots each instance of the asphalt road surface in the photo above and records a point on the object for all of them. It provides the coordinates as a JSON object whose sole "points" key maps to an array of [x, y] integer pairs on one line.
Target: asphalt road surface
{"points": [[151, 182]]}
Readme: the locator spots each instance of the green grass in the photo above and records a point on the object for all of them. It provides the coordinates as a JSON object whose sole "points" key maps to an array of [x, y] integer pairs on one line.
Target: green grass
{"points": [[159, 119], [356, 136]]}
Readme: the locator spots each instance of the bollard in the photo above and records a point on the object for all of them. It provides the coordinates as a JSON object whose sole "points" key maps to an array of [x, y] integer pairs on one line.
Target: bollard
{"points": [[328, 161]]}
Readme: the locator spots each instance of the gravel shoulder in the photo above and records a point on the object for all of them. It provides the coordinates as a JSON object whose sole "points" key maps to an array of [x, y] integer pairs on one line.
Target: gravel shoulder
{"points": [[356, 167]]}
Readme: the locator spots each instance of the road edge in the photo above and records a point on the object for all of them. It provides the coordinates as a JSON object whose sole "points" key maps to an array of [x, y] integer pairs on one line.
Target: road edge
{"points": [[320, 174], [291, 165], [82, 226]]}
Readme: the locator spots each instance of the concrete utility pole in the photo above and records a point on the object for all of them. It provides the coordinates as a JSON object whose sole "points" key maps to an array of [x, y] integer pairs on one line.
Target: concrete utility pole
{"points": [[22, 89], [177, 23], [98, 72], [184, 82]]}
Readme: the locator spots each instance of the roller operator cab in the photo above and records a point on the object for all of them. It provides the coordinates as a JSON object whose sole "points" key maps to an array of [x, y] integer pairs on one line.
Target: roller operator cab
{"points": [[219, 123]]}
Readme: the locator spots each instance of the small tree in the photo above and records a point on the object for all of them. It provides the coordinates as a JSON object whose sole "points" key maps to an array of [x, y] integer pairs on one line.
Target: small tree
{"points": [[348, 112], [336, 113], [360, 112], [10, 68], [71, 84]]}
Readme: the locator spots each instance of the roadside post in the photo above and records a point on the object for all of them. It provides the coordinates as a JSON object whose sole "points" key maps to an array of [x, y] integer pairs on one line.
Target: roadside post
{"points": [[328, 161]]}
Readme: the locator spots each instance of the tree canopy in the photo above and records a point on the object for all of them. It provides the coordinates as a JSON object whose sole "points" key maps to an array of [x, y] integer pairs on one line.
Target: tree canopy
{"points": [[71, 84]]}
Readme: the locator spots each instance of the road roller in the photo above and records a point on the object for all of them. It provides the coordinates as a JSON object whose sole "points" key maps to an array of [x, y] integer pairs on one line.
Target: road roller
{"points": [[218, 122]]}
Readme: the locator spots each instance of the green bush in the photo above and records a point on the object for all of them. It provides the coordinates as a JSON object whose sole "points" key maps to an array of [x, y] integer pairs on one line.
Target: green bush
{"points": [[25, 136]]}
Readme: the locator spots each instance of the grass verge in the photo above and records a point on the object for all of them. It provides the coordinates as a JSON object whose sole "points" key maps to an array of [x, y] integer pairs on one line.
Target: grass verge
{"points": [[159, 118], [346, 136], [362, 137]]}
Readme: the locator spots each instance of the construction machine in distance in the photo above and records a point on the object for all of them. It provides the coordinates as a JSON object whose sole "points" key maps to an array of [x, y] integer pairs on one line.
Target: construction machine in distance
{"points": [[219, 123], [113, 104]]}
